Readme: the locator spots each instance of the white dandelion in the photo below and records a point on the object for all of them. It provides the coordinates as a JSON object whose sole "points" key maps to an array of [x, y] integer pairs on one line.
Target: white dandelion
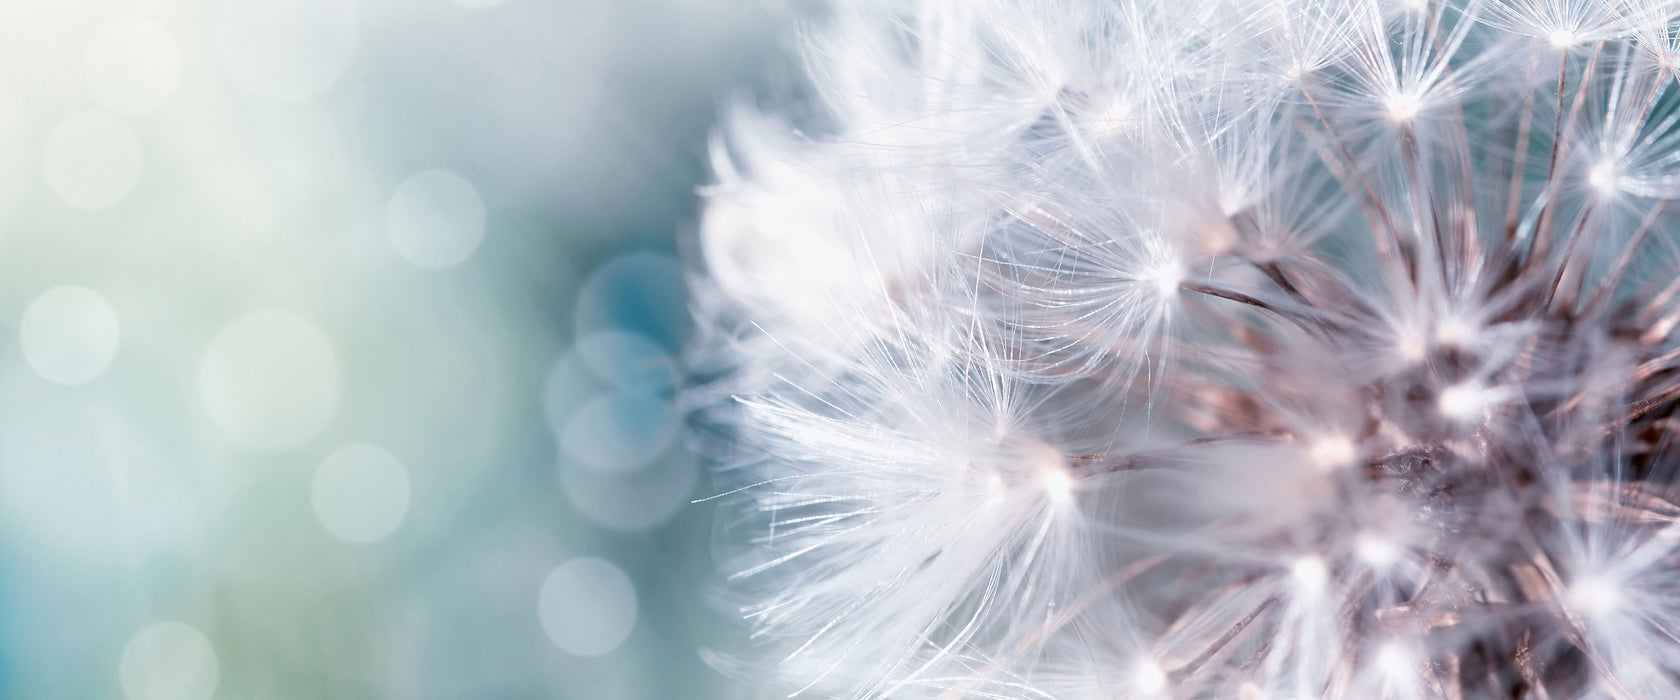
{"points": [[1202, 348]]}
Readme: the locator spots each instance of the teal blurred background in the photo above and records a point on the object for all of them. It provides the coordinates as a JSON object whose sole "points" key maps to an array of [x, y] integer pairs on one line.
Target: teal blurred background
{"points": [[340, 339]]}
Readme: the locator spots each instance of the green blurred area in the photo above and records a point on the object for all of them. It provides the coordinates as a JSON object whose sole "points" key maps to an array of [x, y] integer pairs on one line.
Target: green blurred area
{"points": [[339, 343]]}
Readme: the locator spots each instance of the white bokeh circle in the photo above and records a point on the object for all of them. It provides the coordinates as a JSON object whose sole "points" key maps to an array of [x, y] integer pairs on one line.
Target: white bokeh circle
{"points": [[360, 493], [69, 334], [620, 430], [607, 402], [132, 66], [435, 219], [269, 379], [168, 661], [91, 160], [639, 292], [587, 606], [634, 501], [629, 361], [290, 51], [604, 362]]}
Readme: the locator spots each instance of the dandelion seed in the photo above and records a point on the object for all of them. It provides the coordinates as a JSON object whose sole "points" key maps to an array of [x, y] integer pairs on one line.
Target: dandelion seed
{"points": [[1594, 597], [1411, 349], [1058, 485], [1396, 661], [1464, 402], [1668, 61], [1310, 575], [1331, 451], [1403, 107], [1453, 332], [1376, 551], [996, 490], [1165, 277], [1149, 677], [1603, 177]]}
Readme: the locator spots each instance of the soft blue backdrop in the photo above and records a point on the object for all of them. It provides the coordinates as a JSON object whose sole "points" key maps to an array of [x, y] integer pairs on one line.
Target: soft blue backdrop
{"points": [[337, 339]]}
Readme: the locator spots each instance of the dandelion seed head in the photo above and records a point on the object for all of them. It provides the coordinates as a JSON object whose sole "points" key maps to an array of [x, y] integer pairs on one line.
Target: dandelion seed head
{"points": [[1115, 117], [1403, 106], [1604, 177], [1668, 60], [1058, 485], [1394, 660], [1562, 38], [1594, 597], [1411, 348], [1454, 331], [996, 489], [1149, 677], [1332, 451], [1376, 550], [1165, 276], [1464, 402], [1310, 574]]}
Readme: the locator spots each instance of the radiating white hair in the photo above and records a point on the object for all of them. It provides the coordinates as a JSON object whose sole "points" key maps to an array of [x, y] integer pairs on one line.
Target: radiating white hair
{"points": [[1204, 348]]}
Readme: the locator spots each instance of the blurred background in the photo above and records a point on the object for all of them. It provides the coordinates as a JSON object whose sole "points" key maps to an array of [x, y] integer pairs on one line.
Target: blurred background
{"points": [[339, 346]]}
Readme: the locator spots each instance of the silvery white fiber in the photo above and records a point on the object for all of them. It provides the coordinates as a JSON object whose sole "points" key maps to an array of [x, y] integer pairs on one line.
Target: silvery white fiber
{"points": [[1204, 348]]}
